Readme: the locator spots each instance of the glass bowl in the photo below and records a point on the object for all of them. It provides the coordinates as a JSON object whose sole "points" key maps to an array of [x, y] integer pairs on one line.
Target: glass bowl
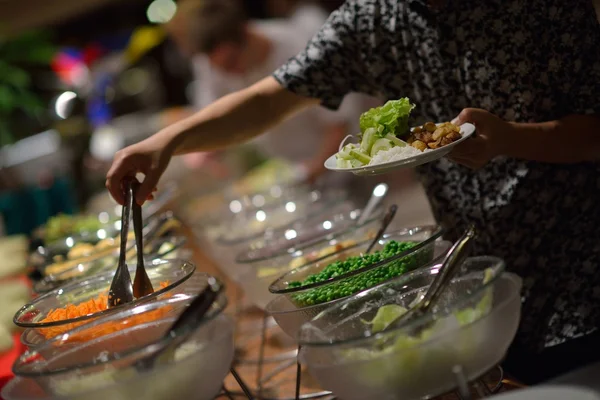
{"points": [[32, 338], [41, 314], [157, 248], [299, 244], [248, 226], [210, 213], [97, 360], [208, 203], [61, 249], [416, 249], [62, 226], [253, 222], [290, 317], [158, 227], [273, 172], [214, 213], [472, 326], [86, 244]]}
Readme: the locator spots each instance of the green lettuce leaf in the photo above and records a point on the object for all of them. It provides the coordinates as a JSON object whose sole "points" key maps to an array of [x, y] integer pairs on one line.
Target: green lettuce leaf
{"points": [[391, 118], [385, 315]]}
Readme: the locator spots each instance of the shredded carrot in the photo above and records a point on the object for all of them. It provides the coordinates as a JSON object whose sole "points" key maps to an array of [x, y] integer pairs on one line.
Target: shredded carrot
{"points": [[88, 307], [111, 327]]}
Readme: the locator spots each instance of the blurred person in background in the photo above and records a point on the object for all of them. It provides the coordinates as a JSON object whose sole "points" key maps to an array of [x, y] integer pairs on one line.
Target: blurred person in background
{"points": [[230, 52]]}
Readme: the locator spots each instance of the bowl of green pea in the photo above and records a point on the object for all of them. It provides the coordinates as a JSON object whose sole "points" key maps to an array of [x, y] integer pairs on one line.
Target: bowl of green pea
{"points": [[305, 291]]}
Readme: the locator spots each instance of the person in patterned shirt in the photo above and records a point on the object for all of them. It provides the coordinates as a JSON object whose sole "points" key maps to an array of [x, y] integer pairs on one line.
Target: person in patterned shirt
{"points": [[527, 74]]}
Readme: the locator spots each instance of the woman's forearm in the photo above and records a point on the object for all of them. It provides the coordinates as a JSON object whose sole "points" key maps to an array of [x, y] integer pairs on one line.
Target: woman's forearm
{"points": [[575, 138], [234, 118]]}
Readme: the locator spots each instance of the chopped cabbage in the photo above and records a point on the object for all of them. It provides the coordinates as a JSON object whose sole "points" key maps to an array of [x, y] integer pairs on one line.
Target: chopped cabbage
{"points": [[385, 316]]}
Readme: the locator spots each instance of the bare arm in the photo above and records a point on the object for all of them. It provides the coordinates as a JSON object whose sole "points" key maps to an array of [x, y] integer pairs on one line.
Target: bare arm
{"points": [[234, 118], [574, 138]]}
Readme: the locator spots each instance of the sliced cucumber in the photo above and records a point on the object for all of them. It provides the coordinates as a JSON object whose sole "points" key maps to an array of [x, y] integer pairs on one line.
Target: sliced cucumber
{"points": [[395, 140], [345, 153], [362, 157], [369, 137], [355, 164], [379, 145]]}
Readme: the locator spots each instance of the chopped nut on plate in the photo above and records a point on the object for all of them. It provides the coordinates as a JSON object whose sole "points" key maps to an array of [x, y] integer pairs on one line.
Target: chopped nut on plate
{"points": [[430, 127], [419, 145], [433, 136]]}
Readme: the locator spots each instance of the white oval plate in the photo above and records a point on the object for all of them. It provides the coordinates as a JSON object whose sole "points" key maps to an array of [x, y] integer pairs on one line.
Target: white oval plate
{"points": [[466, 130], [550, 393]]}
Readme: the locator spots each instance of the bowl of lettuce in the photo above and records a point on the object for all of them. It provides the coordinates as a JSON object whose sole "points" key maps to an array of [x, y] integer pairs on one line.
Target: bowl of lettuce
{"points": [[348, 351]]}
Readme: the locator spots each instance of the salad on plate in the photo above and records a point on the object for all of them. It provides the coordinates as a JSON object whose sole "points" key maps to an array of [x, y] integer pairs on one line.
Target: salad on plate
{"points": [[385, 136]]}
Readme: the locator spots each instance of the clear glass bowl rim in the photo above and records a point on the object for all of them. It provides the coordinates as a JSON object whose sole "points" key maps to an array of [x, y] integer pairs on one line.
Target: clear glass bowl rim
{"points": [[82, 281], [178, 241], [329, 203], [496, 263], [142, 350], [437, 233], [377, 213]]}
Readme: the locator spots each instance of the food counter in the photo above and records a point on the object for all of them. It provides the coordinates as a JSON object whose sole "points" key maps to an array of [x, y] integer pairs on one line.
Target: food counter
{"points": [[299, 265]]}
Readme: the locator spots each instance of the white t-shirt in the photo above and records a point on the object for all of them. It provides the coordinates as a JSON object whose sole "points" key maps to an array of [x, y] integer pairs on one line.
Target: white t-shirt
{"points": [[299, 138]]}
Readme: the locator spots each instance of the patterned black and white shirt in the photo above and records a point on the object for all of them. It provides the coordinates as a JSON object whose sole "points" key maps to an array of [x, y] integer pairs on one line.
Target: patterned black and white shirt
{"points": [[523, 60]]}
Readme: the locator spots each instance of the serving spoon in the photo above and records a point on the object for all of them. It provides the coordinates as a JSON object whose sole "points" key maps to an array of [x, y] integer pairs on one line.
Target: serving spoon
{"points": [[385, 222], [377, 196], [451, 265]]}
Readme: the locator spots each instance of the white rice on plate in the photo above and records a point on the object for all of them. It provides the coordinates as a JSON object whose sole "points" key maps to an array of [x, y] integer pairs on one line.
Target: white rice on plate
{"points": [[395, 154]]}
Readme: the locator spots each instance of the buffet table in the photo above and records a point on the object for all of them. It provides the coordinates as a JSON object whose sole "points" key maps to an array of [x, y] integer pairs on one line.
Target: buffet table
{"points": [[251, 252]]}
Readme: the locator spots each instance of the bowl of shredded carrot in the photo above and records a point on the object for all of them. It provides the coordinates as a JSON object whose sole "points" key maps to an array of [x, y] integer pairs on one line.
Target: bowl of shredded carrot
{"points": [[78, 302], [99, 360]]}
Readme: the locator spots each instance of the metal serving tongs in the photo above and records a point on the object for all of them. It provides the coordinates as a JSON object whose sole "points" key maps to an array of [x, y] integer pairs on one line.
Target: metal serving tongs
{"points": [[141, 283], [451, 265], [385, 222], [377, 196], [121, 290]]}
